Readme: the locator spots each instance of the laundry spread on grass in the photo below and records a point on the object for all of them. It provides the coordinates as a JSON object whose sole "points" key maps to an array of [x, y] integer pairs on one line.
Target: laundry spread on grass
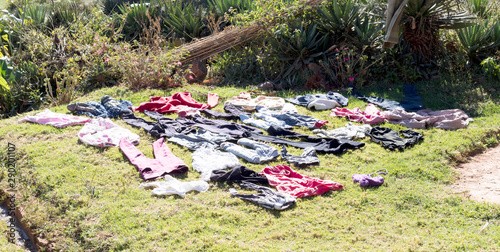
{"points": [[221, 145]]}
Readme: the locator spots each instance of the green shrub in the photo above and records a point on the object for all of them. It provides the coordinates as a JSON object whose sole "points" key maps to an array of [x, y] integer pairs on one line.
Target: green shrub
{"points": [[491, 67]]}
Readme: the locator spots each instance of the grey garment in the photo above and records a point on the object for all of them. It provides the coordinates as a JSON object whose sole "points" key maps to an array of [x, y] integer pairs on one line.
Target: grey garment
{"points": [[258, 153], [199, 139], [348, 132], [205, 160], [80, 106], [290, 119], [266, 197], [308, 157], [395, 9]]}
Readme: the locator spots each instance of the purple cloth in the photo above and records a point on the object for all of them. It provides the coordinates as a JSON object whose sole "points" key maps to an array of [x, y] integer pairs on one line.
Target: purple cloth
{"points": [[367, 180]]}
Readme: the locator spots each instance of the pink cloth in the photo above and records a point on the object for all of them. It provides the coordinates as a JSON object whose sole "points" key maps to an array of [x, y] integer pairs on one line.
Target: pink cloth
{"points": [[165, 161], [48, 117], [102, 132], [371, 115], [287, 180], [181, 103], [441, 119]]}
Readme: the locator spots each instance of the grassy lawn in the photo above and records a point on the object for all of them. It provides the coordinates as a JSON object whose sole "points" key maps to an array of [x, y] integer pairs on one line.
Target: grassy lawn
{"points": [[78, 197]]}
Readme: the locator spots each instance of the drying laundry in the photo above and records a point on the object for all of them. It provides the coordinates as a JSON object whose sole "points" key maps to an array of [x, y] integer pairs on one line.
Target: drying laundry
{"points": [[165, 161], [451, 119], [348, 132], [371, 115], [102, 132], [48, 117], [233, 113], [219, 126], [308, 157], [391, 140], [289, 118], [321, 145], [266, 197], [367, 179], [205, 160], [411, 102], [181, 103], [165, 127], [285, 179], [320, 101], [238, 175], [245, 102], [263, 124], [108, 107], [200, 139], [173, 186], [256, 152]]}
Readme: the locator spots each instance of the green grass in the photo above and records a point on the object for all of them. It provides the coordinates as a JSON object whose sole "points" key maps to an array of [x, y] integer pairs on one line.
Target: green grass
{"points": [[85, 198]]}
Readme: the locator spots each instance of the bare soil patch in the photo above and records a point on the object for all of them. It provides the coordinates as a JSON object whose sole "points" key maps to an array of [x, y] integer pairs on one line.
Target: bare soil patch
{"points": [[480, 178]]}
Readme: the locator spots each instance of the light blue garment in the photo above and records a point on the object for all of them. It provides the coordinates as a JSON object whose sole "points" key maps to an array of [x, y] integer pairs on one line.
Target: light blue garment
{"points": [[257, 123], [290, 119], [256, 152]]}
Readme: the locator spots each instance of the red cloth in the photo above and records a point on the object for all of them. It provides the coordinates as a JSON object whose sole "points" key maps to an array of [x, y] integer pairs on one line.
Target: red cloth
{"points": [[179, 102], [289, 181]]}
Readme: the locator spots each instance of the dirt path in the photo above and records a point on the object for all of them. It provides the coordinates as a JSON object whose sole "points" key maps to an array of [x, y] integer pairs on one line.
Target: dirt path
{"points": [[480, 178]]}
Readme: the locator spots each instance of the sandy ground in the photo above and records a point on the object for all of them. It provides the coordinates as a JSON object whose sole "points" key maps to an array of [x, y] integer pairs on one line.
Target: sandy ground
{"points": [[480, 178]]}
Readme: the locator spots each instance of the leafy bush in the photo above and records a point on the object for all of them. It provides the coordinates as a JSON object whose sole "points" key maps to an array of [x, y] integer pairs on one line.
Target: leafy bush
{"points": [[491, 67]]}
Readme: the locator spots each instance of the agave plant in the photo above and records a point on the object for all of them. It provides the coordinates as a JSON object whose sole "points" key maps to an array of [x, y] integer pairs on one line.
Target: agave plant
{"points": [[424, 18], [338, 17], [137, 18], [300, 45], [183, 18], [368, 31], [480, 39], [219, 7], [483, 8], [36, 14]]}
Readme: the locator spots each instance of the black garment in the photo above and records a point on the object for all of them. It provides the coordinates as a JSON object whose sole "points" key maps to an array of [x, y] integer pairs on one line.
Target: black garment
{"points": [[308, 157], [165, 127], [321, 145], [390, 138], [219, 126], [279, 131], [266, 197], [233, 113], [412, 100], [237, 175]]}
